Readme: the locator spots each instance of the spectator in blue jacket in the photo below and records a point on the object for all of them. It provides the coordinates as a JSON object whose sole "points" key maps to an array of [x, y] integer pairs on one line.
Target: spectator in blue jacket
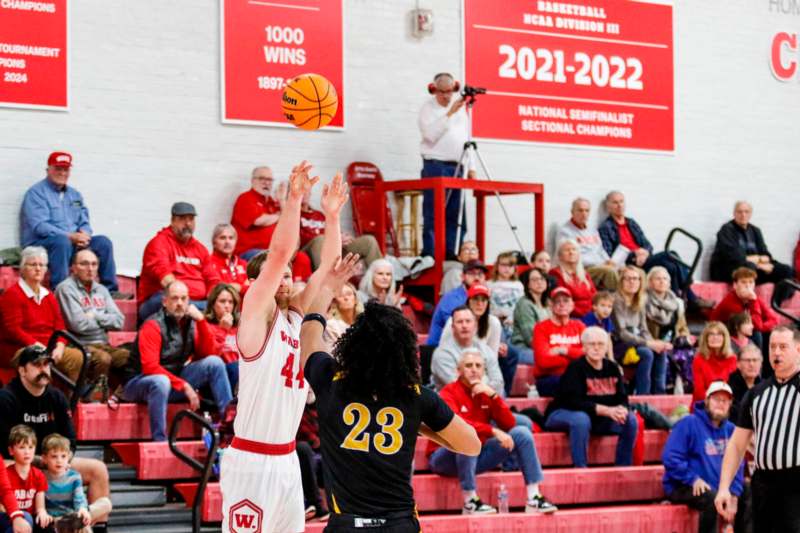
{"points": [[54, 216], [473, 272], [693, 458], [619, 232]]}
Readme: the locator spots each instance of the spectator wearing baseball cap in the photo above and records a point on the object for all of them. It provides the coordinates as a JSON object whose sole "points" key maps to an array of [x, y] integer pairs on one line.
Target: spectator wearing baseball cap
{"points": [[556, 342], [693, 458], [473, 271], [173, 254], [489, 332], [54, 216]]}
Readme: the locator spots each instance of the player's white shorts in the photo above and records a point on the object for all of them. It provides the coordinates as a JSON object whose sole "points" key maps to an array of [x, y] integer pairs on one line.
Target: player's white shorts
{"points": [[261, 493]]}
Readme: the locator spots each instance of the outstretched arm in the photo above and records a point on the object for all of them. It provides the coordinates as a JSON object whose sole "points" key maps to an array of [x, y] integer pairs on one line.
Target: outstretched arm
{"points": [[330, 285], [334, 196], [259, 303]]}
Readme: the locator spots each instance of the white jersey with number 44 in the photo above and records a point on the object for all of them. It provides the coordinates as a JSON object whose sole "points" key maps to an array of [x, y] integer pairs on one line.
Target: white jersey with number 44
{"points": [[272, 389]]}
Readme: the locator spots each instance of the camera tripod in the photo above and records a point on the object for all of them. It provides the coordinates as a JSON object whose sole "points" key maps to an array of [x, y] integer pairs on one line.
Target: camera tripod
{"points": [[471, 153]]}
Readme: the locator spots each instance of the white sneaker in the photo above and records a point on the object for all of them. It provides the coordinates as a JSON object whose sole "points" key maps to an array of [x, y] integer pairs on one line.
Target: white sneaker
{"points": [[476, 506], [539, 504]]}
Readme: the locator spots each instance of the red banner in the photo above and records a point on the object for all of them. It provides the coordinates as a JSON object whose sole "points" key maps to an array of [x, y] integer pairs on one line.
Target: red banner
{"points": [[33, 54], [582, 72], [265, 44]]}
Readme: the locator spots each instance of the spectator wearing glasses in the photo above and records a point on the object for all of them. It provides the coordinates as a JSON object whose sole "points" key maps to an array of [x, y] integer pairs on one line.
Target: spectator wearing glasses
{"points": [[223, 265], [55, 217], [746, 376], [443, 125]]}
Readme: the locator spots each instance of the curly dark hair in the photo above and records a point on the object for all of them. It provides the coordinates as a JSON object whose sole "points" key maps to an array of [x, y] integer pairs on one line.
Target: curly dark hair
{"points": [[377, 355]]}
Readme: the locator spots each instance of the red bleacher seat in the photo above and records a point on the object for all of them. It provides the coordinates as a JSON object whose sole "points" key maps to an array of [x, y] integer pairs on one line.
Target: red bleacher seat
{"points": [[154, 460], [633, 518], [127, 284], [129, 309], [115, 338], [553, 449], [665, 403], [130, 421], [711, 290]]}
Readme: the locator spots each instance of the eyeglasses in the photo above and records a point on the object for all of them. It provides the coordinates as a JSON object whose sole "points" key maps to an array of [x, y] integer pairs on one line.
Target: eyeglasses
{"points": [[750, 361], [630, 278], [448, 91], [88, 263], [36, 265], [263, 178]]}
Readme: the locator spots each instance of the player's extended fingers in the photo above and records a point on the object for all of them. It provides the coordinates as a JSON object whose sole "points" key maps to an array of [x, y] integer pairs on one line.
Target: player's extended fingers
{"points": [[312, 181]]}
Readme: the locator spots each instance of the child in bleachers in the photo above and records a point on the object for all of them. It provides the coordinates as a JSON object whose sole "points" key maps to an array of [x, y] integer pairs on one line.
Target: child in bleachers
{"points": [[65, 499], [741, 329], [28, 482], [600, 316]]}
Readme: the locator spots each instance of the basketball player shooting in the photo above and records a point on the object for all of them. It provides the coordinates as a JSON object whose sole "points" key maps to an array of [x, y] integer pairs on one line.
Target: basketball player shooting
{"points": [[260, 473], [371, 408]]}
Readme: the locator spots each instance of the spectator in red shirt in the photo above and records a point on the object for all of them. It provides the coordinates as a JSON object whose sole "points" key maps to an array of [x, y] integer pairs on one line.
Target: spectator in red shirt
{"points": [[256, 213], [714, 360], [173, 254], [223, 266], [28, 482], [570, 274], [484, 409], [157, 372], [222, 316], [312, 226], [12, 519], [742, 299], [556, 342], [30, 315]]}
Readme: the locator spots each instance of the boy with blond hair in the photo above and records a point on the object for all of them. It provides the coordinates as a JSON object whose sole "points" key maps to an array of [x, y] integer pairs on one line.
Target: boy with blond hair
{"points": [[28, 482]]}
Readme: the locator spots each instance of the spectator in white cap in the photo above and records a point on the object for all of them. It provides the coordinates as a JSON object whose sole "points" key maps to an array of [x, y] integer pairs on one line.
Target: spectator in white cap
{"points": [[693, 458]]}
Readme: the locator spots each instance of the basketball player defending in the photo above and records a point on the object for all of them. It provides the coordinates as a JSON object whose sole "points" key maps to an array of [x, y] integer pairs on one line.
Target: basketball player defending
{"points": [[260, 477], [371, 406]]}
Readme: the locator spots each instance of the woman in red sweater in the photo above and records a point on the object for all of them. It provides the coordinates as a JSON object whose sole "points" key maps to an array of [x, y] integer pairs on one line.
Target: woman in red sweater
{"points": [[31, 314], [570, 274], [222, 316], [714, 359]]}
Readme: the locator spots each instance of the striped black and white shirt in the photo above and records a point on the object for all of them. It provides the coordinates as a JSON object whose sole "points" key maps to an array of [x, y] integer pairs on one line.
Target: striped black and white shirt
{"points": [[772, 411]]}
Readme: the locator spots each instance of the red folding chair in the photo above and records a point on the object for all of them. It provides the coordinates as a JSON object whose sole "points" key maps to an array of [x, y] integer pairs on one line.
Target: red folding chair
{"points": [[361, 177]]}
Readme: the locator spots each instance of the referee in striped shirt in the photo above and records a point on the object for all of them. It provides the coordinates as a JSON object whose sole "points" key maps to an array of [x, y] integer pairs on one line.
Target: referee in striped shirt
{"points": [[771, 410]]}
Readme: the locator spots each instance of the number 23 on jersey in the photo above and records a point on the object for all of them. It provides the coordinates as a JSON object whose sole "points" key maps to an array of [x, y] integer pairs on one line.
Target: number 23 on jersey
{"points": [[388, 441]]}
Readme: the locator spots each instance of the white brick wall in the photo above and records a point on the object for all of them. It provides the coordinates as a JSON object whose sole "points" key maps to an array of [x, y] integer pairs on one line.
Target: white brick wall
{"points": [[144, 125]]}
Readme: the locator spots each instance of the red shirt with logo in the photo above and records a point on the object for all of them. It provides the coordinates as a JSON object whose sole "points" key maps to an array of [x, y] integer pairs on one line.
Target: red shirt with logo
{"points": [[312, 224], [220, 269], [25, 489], [248, 207], [548, 335], [164, 255]]}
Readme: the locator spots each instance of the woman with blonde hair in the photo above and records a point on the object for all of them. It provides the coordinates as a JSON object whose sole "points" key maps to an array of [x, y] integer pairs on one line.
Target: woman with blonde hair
{"points": [[570, 274], [714, 360], [633, 343], [378, 285], [666, 313], [345, 308]]}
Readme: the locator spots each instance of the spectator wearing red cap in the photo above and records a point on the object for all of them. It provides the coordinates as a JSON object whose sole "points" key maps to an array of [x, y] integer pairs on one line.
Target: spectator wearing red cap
{"points": [[473, 271], [173, 254], [55, 217], [223, 266], [570, 274], [556, 342]]}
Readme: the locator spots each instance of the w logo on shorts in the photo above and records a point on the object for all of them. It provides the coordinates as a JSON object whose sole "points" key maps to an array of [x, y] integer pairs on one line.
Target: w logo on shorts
{"points": [[245, 517]]}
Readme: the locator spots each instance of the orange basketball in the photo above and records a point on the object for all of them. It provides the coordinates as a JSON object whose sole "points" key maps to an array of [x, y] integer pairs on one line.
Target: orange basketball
{"points": [[309, 101]]}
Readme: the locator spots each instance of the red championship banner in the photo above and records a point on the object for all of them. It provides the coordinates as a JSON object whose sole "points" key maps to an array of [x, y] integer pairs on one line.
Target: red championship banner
{"points": [[581, 72], [265, 44], [33, 54]]}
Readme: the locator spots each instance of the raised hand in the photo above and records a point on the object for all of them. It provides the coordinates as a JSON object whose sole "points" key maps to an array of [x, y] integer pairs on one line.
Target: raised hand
{"points": [[334, 196], [340, 272], [299, 180]]}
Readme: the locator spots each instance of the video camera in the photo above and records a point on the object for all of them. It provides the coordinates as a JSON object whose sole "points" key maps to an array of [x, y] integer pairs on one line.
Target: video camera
{"points": [[471, 92]]}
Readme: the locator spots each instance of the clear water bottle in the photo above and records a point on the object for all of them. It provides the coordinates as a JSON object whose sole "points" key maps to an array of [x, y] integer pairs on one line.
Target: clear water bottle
{"points": [[502, 499], [533, 391]]}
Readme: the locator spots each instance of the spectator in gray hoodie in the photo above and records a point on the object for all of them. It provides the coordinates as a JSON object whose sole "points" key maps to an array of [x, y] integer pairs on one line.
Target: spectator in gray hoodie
{"points": [[90, 313], [596, 260]]}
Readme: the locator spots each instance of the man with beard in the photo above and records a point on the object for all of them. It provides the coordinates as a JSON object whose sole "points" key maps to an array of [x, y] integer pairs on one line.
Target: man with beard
{"points": [[693, 458], [173, 254], [260, 473], [30, 399], [157, 371]]}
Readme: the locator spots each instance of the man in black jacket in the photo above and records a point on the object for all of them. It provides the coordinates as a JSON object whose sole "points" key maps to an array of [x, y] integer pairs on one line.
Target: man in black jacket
{"points": [[740, 243], [591, 399], [30, 399]]}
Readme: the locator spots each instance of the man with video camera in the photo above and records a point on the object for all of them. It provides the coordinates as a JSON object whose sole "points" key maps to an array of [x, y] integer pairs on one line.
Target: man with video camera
{"points": [[444, 126]]}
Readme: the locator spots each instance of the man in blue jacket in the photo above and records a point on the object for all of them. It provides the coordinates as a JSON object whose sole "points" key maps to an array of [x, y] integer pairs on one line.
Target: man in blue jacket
{"points": [[693, 458], [474, 272], [54, 216]]}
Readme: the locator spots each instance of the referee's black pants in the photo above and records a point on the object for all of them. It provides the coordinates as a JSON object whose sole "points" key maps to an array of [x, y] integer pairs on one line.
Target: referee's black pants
{"points": [[776, 501], [346, 523]]}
